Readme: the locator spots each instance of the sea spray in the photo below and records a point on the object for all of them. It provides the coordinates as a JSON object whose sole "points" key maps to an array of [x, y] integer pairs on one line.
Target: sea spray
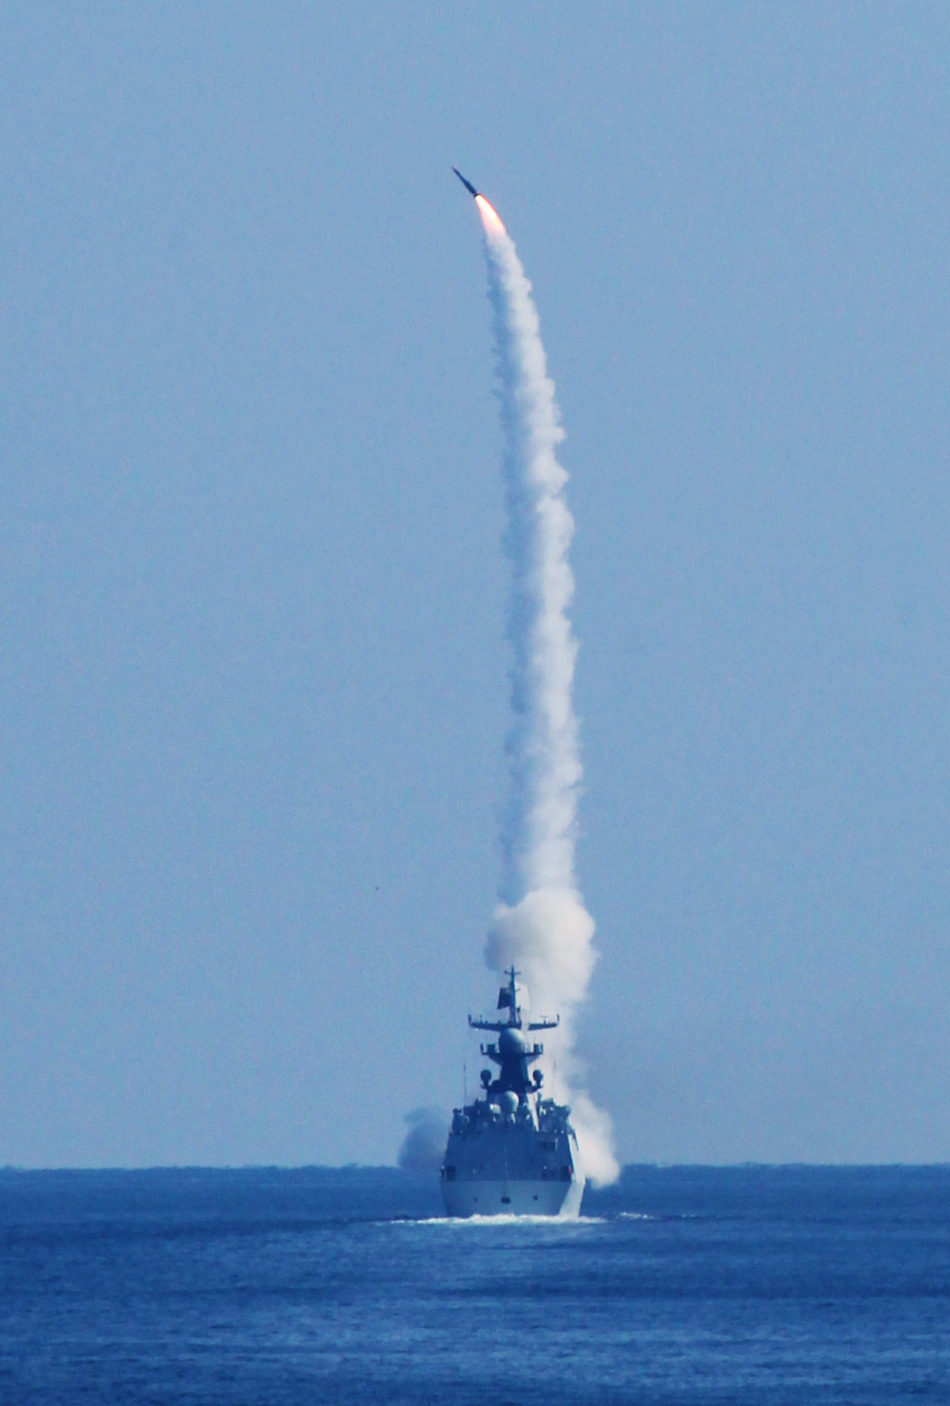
{"points": [[541, 925]]}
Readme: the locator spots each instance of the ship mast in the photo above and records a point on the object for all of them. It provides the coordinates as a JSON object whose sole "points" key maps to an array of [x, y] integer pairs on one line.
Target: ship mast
{"points": [[508, 998], [512, 1053]]}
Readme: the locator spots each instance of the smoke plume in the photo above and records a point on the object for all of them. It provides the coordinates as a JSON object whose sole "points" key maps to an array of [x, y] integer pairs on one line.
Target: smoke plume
{"points": [[424, 1143], [541, 926]]}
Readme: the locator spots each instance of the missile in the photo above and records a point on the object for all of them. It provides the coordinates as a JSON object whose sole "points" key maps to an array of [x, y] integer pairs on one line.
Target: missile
{"points": [[467, 184]]}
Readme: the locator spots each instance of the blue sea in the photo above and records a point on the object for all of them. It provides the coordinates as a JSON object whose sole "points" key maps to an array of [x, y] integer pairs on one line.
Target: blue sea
{"points": [[260, 1287]]}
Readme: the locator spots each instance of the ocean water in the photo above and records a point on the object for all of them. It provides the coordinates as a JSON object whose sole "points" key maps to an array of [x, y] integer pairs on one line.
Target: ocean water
{"points": [[753, 1285]]}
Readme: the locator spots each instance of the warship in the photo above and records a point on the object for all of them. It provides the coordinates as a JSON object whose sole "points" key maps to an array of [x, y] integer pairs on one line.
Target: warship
{"points": [[512, 1152]]}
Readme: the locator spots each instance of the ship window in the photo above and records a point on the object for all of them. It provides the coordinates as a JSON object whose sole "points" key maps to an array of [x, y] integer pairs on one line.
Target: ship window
{"points": [[506, 1200], [565, 1173], [450, 1173]]}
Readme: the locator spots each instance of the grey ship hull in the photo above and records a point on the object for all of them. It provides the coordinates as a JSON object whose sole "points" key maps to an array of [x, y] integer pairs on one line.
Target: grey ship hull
{"points": [[513, 1198], [517, 1163]]}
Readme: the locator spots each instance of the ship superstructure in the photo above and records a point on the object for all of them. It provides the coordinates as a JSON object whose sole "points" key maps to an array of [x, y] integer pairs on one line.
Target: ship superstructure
{"points": [[512, 1152]]}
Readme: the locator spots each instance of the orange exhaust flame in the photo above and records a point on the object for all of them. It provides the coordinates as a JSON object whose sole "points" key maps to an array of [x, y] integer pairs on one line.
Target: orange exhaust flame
{"points": [[490, 216]]}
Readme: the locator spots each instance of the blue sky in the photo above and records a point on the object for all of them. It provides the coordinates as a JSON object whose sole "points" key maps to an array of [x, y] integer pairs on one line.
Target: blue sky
{"points": [[253, 697]]}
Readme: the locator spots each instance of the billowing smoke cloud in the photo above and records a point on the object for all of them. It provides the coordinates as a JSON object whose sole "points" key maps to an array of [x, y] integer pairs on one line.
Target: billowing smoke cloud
{"points": [[542, 926], [424, 1143]]}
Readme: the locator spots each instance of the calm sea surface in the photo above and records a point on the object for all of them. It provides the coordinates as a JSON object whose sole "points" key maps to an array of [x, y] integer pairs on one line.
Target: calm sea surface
{"points": [[741, 1285]]}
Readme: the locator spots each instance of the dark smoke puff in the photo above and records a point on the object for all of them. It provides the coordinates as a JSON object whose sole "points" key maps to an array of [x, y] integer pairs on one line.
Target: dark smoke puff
{"points": [[424, 1143]]}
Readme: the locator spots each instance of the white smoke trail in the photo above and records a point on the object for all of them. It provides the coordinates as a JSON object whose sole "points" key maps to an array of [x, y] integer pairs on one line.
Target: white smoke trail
{"points": [[542, 926]]}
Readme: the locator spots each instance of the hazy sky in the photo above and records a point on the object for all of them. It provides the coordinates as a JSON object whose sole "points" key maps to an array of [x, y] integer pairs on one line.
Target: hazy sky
{"points": [[254, 694]]}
